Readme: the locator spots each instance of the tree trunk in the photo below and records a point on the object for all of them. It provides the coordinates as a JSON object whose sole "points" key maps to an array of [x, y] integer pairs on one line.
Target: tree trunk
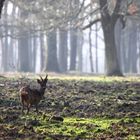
{"points": [[63, 51], [80, 51], [112, 63], [125, 50], [1, 5], [96, 46], [133, 48], [34, 49], [42, 51], [73, 49], [30, 53], [90, 51], [52, 62], [24, 55], [118, 41], [5, 43], [108, 24], [4, 54]]}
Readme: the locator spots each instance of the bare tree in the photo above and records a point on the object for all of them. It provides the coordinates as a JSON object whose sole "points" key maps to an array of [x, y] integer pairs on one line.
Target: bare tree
{"points": [[1, 6], [90, 51], [73, 49], [24, 58], [5, 43], [63, 50], [108, 25], [52, 61], [50, 15]]}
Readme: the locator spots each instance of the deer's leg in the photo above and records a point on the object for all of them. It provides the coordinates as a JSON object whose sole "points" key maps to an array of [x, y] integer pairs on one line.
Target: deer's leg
{"points": [[36, 106], [28, 108], [23, 106]]}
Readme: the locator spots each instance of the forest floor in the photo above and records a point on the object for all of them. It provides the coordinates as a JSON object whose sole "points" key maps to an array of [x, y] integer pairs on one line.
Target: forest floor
{"points": [[90, 108]]}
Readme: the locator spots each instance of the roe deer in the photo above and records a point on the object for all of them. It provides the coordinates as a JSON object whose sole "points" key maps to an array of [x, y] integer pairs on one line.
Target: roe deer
{"points": [[30, 96]]}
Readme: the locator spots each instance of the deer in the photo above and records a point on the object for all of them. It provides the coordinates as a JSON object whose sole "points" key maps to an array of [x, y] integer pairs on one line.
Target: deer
{"points": [[33, 96]]}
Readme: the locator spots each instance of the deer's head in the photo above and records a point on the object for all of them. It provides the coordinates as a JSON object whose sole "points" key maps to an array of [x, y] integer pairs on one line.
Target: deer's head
{"points": [[43, 82]]}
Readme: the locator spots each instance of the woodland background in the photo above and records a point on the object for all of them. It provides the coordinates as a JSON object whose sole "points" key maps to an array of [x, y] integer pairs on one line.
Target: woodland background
{"points": [[64, 37], [90, 36]]}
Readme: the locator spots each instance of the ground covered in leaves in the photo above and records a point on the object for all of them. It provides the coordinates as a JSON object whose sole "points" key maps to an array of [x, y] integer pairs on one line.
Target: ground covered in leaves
{"points": [[90, 107]]}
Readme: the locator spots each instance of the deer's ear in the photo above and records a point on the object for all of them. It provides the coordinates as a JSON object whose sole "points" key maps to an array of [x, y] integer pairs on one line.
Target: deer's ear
{"points": [[46, 76], [38, 81]]}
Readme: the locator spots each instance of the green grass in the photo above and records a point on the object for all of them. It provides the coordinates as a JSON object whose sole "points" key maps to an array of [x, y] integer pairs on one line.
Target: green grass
{"points": [[109, 105], [82, 127], [96, 78], [74, 76]]}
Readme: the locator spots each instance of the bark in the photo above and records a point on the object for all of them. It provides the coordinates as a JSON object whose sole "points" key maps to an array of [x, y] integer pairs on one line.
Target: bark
{"points": [[30, 53], [118, 40], [52, 62], [24, 65], [80, 51], [96, 45], [125, 50], [34, 49], [5, 44], [1, 6], [4, 54], [73, 49], [90, 51], [108, 24], [24, 59], [13, 45], [63, 51], [133, 49], [112, 63], [43, 53]]}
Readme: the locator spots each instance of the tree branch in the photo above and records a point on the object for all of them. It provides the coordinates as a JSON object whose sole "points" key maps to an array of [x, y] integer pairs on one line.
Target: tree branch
{"points": [[80, 9], [116, 14], [91, 23], [1, 6], [104, 10]]}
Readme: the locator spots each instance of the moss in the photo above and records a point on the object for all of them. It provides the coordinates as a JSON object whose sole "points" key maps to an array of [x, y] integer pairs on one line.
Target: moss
{"points": [[73, 126]]}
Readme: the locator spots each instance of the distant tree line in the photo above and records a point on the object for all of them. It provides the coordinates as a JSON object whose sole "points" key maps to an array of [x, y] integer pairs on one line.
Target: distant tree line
{"points": [[49, 35]]}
